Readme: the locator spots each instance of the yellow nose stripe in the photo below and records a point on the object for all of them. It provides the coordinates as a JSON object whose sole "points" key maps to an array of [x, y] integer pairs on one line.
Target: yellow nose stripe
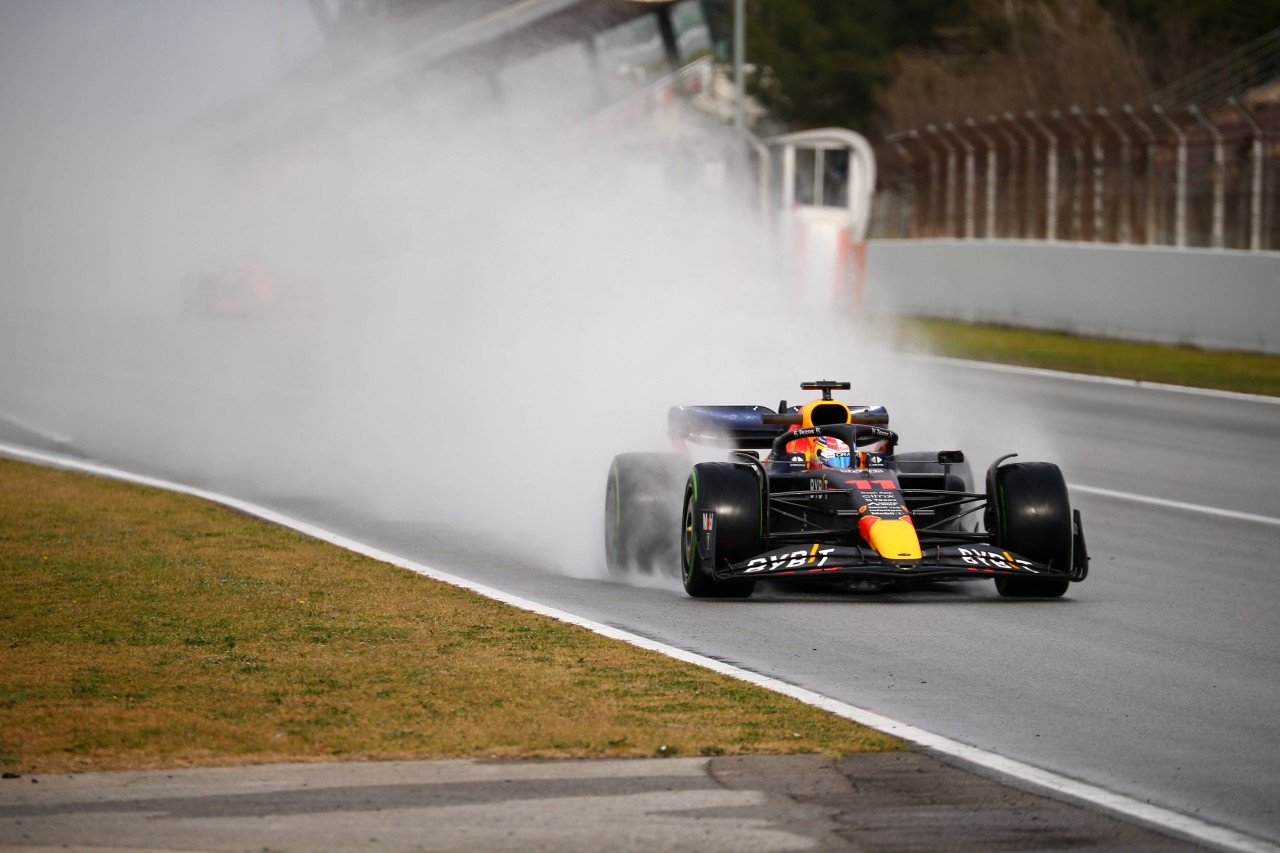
{"points": [[894, 539]]}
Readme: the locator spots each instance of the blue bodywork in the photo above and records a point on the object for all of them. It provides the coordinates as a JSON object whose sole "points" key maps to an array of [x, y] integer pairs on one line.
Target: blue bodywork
{"points": [[742, 426]]}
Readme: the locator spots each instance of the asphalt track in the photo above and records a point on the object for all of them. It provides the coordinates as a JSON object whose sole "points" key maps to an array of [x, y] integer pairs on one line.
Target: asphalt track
{"points": [[1159, 677], [869, 802]]}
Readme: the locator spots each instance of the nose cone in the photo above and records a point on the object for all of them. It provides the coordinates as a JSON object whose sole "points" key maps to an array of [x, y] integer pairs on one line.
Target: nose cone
{"points": [[892, 538]]}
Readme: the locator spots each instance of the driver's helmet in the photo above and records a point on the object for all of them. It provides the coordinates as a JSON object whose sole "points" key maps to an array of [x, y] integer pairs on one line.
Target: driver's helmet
{"points": [[831, 452]]}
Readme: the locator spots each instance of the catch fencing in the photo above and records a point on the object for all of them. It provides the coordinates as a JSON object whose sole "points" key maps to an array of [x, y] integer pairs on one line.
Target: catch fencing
{"points": [[1147, 176]]}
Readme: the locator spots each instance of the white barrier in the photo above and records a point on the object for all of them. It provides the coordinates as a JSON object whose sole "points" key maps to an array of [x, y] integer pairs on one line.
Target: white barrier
{"points": [[1204, 298], [820, 190]]}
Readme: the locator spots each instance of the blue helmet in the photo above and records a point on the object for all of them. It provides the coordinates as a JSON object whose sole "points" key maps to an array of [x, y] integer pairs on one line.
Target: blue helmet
{"points": [[833, 452]]}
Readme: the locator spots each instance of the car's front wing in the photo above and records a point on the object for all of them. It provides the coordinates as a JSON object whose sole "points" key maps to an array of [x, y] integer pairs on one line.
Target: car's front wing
{"points": [[818, 561]]}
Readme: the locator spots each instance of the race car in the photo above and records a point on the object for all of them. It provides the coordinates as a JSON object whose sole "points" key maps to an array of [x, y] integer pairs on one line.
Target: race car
{"points": [[819, 494]]}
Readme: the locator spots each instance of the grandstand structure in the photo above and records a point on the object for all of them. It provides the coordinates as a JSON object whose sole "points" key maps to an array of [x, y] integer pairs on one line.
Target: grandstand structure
{"points": [[638, 76], [439, 56]]}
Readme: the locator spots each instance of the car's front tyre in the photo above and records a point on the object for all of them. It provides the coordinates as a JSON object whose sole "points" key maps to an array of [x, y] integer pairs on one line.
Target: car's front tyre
{"points": [[727, 496], [1033, 519]]}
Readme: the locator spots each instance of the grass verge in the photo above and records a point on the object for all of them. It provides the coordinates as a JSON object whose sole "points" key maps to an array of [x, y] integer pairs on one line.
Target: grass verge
{"points": [[1250, 373], [143, 629]]}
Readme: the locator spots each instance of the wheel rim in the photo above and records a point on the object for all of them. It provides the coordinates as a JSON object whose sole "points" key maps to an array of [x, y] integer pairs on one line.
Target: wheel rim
{"points": [[611, 521], [690, 541]]}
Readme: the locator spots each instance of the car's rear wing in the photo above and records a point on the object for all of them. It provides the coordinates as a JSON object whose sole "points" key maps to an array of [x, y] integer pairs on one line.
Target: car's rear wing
{"points": [[740, 427], [744, 427]]}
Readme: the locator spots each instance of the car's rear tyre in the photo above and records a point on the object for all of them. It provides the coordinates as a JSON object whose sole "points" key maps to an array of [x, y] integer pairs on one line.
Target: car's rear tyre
{"points": [[733, 493], [1033, 519], [642, 512]]}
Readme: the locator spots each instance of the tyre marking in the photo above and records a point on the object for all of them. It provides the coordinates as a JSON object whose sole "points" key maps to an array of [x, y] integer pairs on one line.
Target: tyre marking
{"points": [[617, 497]]}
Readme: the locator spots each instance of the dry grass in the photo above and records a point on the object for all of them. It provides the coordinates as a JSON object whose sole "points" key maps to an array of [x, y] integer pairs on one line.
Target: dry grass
{"points": [[144, 629]]}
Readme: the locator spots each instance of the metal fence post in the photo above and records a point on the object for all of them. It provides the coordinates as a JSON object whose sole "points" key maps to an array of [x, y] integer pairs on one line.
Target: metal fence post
{"points": [[992, 166], [1257, 154], [1077, 189], [940, 189], [1180, 191], [935, 180], [1098, 156], [949, 227], [1149, 195], [1219, 178], [1051, 179], [1012, 209], [970, 179], [1125, 232], [895, 139], [1025, 228]]}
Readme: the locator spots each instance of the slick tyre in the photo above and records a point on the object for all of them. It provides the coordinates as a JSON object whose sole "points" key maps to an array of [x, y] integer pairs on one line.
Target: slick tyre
{"points": [[1033, 517], [642, 512], [733, 493]]}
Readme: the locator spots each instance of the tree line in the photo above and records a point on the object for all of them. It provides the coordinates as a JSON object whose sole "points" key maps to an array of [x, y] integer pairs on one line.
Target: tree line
{"points": [[885, 65]]}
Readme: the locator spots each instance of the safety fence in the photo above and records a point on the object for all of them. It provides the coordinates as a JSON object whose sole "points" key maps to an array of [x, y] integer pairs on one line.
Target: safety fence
{"points": [[1147, 176]]}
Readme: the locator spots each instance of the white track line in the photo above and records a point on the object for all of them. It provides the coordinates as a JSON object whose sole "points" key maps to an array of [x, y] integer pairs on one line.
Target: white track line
{"points": [[47, 435], [1168, 504], [993, 367], [1128, 383], [1164, 819]]}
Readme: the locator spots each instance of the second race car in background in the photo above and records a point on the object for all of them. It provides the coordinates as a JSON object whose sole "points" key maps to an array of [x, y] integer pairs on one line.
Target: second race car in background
{"points": [[818, 493]]}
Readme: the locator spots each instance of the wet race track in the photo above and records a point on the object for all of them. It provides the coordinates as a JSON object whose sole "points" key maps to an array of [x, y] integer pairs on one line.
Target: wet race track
{"points": [[1158, 677]]}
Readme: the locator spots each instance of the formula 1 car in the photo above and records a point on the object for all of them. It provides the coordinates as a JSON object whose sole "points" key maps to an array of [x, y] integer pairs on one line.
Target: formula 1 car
{"points": [[818, 493]]}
